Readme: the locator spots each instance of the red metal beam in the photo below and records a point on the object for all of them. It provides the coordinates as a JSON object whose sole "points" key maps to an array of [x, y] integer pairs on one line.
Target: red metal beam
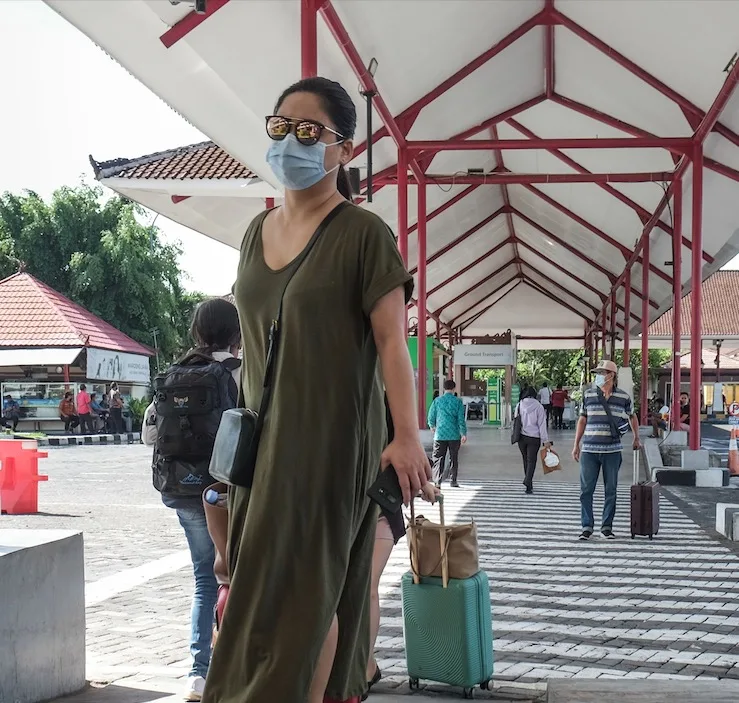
{"points": [[549, 72], [472, 131], [624, 250], [467, 268], [547, 294], [422, 308], [403, 205], [642, 212], [679, 145], [566, 245], [473, 287], [565, 271], [677, 296], [645, 334], [479, 314], [498, 155], [366, 80], [496, 178], [704, 128], [648, 78], [627, 320], [445, 206], [308, 38], [463, 237], [636, 131], [189, 22], [524, 338], [554, 283], [409, 115], [574, 251], [696, 296]]}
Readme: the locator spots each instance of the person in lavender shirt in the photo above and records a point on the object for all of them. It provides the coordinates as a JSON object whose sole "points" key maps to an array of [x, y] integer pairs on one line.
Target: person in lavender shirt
{"points": [[533, 434]]}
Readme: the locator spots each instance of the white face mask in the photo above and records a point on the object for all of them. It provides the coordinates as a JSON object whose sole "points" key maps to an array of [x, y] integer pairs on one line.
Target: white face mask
{"points": [[600, 380]]}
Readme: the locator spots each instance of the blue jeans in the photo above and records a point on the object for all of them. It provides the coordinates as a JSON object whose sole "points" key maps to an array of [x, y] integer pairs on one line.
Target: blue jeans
{"points": [[590, 466], [202, 552]]}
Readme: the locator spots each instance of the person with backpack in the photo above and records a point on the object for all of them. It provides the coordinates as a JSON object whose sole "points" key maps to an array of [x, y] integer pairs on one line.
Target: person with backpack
{"points": [[181, 424]]}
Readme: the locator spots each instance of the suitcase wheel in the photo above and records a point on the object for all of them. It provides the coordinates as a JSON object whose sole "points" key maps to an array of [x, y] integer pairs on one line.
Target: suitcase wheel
{"points": [[414, 684], [651, 537], [468, 693], [487, 685], [633, 535]]}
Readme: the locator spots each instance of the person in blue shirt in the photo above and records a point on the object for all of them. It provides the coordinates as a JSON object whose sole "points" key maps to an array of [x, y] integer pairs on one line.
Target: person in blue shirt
{"points": [[11, 412], [446, 418]]}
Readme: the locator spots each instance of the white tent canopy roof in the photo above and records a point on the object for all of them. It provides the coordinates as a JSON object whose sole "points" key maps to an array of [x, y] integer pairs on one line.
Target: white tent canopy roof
{"points": [[562, 69]]}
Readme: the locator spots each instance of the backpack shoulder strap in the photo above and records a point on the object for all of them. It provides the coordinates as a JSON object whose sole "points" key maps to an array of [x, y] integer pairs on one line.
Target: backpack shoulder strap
{"points": [[231, 364], [614, 430], [195, 357]]}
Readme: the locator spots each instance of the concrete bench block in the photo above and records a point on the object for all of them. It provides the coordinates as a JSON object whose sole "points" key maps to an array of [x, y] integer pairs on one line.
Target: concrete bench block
{"points": [[695, 459], [711, 478], [42, 619], [721, 509], [652, 455], [674, 476], [676, 438]]}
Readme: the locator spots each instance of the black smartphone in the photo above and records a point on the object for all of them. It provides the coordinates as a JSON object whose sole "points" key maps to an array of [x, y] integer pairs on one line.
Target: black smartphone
{"points": [[385, 491]]}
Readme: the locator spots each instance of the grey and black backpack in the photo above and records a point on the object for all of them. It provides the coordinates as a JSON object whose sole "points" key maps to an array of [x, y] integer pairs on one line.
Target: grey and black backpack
{"points": [[189, 399]]}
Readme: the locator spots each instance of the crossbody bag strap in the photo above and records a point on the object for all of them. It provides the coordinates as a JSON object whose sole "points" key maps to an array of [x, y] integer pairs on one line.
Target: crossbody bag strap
{"points": [[273, 342], [615, 434]]}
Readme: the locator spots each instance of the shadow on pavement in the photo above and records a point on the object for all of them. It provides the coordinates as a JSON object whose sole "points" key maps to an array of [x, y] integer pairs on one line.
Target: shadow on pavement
{"points": [[114, 694]]}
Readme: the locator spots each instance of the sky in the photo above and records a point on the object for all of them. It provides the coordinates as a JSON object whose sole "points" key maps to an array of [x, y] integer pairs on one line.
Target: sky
{"points": [[63, 98]]}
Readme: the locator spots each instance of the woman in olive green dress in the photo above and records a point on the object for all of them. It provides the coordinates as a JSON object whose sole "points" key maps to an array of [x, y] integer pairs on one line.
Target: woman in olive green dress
{"points": [[296, 626]]}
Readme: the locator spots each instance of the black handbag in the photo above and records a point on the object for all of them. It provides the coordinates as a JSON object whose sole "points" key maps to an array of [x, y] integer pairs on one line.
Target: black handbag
{"points": [[236, 447], [517, 425]]}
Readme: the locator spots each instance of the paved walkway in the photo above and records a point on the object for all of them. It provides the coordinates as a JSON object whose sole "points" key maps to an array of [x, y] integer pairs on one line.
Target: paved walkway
{"points": [[561, 608]]}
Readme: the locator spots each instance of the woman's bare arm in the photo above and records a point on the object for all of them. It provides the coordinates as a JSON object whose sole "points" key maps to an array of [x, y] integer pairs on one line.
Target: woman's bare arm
{"points": [[405, 453]]}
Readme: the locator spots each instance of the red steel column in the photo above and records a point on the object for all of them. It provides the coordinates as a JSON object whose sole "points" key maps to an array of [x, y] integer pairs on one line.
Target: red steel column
{"points": [[645, 330], [308, 38], [696, 343], [613, 327], [677, 289], [422, 312], [604, 326], [403, 205], [627, 319]]}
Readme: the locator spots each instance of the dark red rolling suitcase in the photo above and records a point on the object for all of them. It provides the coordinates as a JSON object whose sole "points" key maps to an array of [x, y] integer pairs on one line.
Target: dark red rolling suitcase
{"points": [[644, 505]]}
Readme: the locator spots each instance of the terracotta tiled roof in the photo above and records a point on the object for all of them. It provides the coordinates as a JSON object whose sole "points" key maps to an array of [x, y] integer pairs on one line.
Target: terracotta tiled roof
{"points": [[34, 315], [720, 309], [709, 361], [202, 161]]}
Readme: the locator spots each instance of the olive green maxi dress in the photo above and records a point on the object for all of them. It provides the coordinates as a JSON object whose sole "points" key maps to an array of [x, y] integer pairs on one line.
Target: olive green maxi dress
{"points": [[301, 540]]}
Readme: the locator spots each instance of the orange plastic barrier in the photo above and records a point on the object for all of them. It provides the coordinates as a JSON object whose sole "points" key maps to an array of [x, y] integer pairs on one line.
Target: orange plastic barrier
{"points": [[19, 476], [734, 453]]}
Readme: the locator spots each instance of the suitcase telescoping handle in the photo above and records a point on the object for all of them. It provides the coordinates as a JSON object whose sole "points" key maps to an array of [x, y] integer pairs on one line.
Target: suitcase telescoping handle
{"points": [[636, 466], [442, 544]]}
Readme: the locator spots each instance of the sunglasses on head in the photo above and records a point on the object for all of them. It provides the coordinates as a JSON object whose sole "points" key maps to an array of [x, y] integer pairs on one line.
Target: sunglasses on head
{"points": [[307, 132]]}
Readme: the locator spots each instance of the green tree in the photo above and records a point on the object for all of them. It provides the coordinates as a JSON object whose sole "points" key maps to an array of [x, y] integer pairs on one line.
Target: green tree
{"points": [[553, 366], [99, 255]]}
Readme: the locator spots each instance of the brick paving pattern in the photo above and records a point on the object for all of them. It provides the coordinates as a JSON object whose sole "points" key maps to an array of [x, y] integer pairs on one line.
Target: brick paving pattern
{"points": [[561, 608]]}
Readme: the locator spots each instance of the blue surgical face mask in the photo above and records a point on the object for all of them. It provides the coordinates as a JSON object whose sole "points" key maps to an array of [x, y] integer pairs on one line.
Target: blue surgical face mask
{"points": [[600, 380], [297, 166]]}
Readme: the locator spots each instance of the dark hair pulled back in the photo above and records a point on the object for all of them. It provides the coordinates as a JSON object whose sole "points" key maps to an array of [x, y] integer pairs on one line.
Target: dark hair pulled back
{"points": [[340, 108], [215, 326]]}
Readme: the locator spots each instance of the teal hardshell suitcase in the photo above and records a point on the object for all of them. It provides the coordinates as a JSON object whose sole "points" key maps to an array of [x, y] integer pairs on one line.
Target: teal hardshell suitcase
{"points": [[448, 631]]}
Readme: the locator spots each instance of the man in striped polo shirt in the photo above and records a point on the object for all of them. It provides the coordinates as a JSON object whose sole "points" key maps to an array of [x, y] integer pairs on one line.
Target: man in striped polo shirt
{"points": [[601, 444]]}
